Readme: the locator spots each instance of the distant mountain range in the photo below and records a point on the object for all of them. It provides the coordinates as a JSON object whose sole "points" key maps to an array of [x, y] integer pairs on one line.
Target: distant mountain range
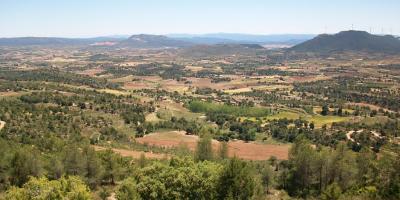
{"points": [[160, 41], [350, 41], [231, 43], [29, 41], [231, 38], [153, 41]]}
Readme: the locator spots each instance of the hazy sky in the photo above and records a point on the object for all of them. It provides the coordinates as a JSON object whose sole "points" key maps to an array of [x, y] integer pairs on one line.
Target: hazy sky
{"points": [[86, 18]]}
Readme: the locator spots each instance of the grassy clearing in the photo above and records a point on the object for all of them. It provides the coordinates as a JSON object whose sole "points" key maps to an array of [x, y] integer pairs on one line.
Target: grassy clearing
{"points": [[116, 121], [238, 111], [283, 115], [320, 120], [166, 114], [375, 120], [152, 117], [169, 109], [317, 119]]}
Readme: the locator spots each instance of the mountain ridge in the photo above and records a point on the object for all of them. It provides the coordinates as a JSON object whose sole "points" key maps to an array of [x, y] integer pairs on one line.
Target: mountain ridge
{"points": [[168, 40], [350, 41], [240, 38]]}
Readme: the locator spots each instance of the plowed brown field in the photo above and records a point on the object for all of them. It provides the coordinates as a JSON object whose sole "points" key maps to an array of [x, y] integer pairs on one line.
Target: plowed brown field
{"points": [[248, 151]]}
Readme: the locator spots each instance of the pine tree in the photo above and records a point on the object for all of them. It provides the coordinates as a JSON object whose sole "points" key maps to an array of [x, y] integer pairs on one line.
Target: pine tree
{"points": [[236, 181], [223, 150], [204, 149]]}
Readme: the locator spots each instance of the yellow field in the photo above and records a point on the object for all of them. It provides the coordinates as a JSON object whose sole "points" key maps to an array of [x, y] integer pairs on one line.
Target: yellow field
{"points": [[115, 92], [317, 119], [234, 91], [273, 87], [320, 120]]}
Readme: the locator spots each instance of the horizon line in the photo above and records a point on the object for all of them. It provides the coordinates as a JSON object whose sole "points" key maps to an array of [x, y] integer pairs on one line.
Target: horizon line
{"points": [[122, 35]]}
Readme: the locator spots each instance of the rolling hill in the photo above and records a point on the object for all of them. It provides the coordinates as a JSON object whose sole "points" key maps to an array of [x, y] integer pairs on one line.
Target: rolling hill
{"points": [[350, 41]]}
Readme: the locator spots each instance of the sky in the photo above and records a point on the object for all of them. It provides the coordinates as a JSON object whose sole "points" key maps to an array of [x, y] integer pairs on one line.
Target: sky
{"points": [[89, 18]]}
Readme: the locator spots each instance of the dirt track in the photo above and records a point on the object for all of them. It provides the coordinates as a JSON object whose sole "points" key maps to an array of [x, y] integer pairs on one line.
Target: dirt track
{"points": [[2, 124]]}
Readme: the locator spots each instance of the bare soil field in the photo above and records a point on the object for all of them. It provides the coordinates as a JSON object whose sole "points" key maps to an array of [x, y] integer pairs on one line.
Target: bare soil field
{"points": [[202, 82], [243, 150]]}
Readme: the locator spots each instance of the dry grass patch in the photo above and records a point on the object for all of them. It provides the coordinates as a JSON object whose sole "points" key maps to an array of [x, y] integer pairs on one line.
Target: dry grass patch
{"points": [[121, 79], [303, 79], [371, 106], [11, 94], [239, 90], [194, 68], [273, 87], [91, 72]]}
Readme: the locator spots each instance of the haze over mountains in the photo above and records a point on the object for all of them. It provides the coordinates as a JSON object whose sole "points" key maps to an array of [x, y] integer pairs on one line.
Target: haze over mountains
{"points": [[153, 41], [27, 41], [229, 42], [212, 38], [159, 41]]}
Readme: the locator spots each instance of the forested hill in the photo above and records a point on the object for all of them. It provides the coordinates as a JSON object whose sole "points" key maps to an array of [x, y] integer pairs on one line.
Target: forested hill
{"points": [[350, 41]]}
